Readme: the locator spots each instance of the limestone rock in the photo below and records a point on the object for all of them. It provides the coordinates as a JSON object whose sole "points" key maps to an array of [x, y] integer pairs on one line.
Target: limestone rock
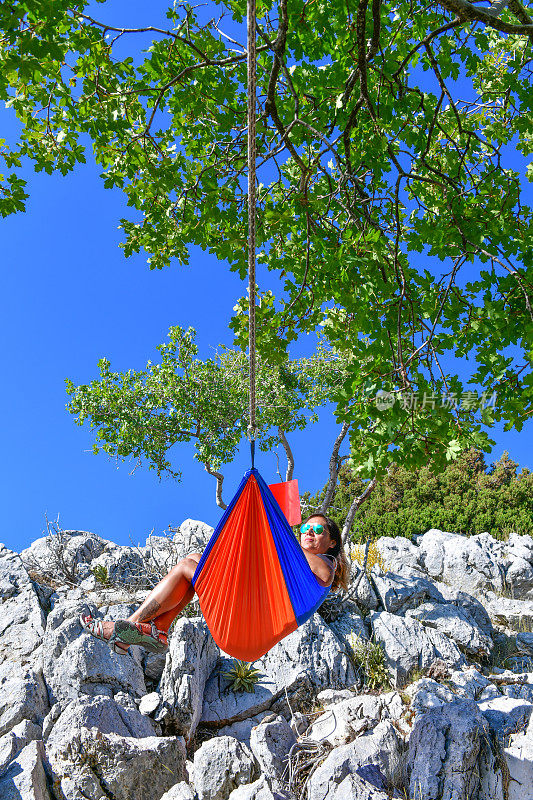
{"points": [[125, 566], [192, 537], [444, 752], [427, 694], [96, 765], [78, 547], [259, 790], [506, 715], [470, 604], [270, 743], [220, 765], [456, 624], [149, 703], [524, 643], [471, 562], [22, 620], [375, 757], [192, 656], [401, 556], [12, 743], [469, 683], [74, 662], [328, 697], [408, 645], [519, 758], [349, 623], [25, 779], [345, 720], [102, 713], [23, 695], [398, 593], [180, 791]]}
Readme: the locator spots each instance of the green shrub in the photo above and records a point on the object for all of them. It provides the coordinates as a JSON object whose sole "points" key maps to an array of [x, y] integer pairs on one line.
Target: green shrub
{"points": [[369, 658], [467, 497]]}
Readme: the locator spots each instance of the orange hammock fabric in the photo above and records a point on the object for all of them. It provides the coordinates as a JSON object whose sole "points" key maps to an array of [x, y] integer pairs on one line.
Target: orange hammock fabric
{"points": [[253, 580]]}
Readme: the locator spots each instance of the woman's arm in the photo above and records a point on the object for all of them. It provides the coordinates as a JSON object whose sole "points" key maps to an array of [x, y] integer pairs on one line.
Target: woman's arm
{"points": [[321, 569]]}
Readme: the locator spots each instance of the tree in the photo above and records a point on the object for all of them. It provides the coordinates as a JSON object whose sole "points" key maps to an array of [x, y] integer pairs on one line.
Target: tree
{"points": [[143, 414], [384, 131], [466, 497]]}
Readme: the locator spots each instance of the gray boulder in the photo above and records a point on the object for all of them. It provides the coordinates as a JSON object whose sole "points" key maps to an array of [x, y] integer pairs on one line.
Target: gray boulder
{"points": [[408, 645], [456, 624], [220, 765], [515, 614], [74, 662], [22, 620], [12, 743], [470, 604], [524, 643], [398, 593], [519, 759], [180, 791], [260, 790], [23, 696], [192, 656], [270, 742], [349, 624], [355, 787], [401, 556], [445, 748], [472, 562], [192, 537], [375, 757], [506, 715], [125, 567], [308, 660], [103, 713], [25, 779], [345, 720], [96, 765], [68, 547]]}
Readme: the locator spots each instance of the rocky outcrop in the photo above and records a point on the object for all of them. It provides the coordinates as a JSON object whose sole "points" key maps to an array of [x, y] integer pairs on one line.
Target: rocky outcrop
{"points": [[192, 657], [77, 721], [444, 752]]}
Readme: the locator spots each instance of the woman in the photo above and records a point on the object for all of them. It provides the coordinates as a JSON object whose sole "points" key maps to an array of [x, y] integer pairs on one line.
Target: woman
{"points": [[320, 540]]}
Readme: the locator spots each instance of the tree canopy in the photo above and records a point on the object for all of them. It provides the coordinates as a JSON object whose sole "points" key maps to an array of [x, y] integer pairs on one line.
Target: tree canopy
{"points": [[385, 141], [142, 414]]}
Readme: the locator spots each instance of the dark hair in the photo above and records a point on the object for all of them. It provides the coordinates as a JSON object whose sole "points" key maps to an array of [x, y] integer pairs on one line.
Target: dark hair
{"points": [[343, 568]]}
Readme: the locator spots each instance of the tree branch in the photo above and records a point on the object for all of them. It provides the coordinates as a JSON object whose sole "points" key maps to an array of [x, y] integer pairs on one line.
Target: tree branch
{"points": [[334, 465], [220, 480], [288, 452]]}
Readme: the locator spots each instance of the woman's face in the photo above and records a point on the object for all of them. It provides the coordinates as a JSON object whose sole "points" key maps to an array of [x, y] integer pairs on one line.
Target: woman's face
{"points": [[316, 542]]}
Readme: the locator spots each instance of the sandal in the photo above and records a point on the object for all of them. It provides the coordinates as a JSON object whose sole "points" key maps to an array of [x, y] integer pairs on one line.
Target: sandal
{"points": [[140, 633]]}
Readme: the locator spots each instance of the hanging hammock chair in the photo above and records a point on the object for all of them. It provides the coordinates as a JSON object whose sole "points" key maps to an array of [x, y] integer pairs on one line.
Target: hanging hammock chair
{"points": [[253, 580]]}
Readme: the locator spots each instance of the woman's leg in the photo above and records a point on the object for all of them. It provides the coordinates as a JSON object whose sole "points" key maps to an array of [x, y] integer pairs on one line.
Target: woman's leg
{"points": [[165, 601], [170, 596]]}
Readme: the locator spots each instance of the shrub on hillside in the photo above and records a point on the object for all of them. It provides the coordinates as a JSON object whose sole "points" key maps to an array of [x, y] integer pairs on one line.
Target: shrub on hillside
{"points": [[467, 497]]}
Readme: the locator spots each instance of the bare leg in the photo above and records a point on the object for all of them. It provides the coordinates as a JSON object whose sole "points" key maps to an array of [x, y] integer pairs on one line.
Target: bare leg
{"points": [[167, 599]]}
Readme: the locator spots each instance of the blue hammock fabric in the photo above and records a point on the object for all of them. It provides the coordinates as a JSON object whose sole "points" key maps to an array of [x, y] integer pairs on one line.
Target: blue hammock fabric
{"points": [[253, 580]]}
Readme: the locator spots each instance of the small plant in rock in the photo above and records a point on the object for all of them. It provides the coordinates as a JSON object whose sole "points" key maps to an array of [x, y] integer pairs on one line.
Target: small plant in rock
{"points": [[242, 676], [369, 658], [101, 575]]}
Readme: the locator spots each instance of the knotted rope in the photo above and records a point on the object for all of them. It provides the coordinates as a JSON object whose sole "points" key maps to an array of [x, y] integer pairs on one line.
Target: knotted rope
{"points": [[251, 106]]}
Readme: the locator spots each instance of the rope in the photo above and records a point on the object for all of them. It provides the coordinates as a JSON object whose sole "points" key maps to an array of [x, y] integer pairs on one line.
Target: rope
{"points": [[251, 107]]}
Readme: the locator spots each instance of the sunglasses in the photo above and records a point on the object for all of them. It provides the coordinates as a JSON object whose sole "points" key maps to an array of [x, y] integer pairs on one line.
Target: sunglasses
{"points": [[317, 528]]}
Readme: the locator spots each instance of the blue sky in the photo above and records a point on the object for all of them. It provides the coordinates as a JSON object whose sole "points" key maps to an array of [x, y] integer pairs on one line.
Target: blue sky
{"points": [[69, 298]]}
